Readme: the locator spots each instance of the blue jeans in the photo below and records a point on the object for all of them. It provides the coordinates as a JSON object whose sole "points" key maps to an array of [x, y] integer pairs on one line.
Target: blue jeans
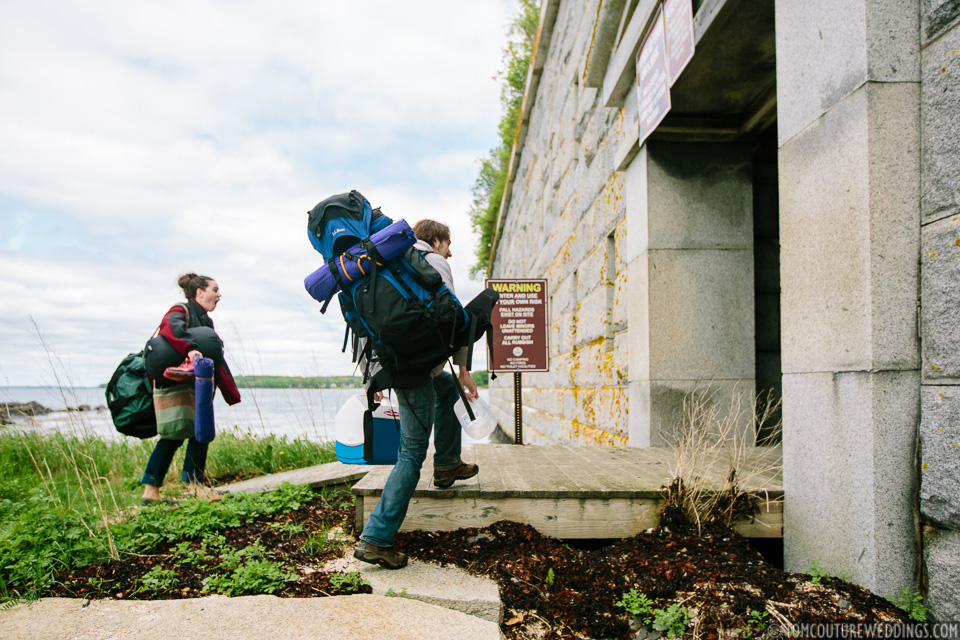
{"points": [[194, 463], [430, 404]]}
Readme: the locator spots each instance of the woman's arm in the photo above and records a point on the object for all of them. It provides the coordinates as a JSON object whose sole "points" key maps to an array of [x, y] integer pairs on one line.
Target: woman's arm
{"points": [[173, 328]]}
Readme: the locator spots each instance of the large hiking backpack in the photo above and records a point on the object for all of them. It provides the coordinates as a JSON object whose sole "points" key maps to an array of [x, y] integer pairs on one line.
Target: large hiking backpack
{"points": [[130, 398], [409, 320]]}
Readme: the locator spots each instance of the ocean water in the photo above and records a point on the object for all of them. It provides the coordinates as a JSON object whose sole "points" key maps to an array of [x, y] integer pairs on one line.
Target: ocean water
{"points": [[295, 413]]}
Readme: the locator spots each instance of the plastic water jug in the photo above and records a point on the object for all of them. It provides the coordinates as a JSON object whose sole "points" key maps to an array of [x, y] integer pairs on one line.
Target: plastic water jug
{"points": [[484, 422]]}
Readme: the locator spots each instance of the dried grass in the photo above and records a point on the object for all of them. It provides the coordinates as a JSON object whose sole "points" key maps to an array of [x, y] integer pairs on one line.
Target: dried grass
{"points": [[719, 472]]}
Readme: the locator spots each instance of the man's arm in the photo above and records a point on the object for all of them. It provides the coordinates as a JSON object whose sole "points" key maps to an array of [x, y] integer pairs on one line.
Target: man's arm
{"points": [[466, 380]]}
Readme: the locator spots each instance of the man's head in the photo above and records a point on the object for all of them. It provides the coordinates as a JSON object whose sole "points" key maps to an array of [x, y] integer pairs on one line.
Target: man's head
{"points": [[436, 234]]}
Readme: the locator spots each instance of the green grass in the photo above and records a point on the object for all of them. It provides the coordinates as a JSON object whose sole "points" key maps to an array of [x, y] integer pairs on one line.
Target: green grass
{"points": [[65, 499]]}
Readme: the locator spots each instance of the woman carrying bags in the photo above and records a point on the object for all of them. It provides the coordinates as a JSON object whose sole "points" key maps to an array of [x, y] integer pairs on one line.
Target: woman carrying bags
{"points": [[186, 333]]}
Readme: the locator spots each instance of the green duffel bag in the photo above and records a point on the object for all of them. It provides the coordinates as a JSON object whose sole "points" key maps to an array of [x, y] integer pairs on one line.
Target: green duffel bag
{"points": [[130, 398], [175, 412]]}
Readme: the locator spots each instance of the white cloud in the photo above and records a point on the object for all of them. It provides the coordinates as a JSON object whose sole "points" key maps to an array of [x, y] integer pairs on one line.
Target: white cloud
{"points": [[140, 141]]}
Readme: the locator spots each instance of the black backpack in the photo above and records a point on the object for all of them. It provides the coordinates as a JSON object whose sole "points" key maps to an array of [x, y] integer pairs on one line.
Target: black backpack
{"points": [[409, 320]]}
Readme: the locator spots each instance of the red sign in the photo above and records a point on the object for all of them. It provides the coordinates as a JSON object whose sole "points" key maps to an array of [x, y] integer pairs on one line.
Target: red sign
{"points": [[519, 322], [678, 21], [653, 83]]}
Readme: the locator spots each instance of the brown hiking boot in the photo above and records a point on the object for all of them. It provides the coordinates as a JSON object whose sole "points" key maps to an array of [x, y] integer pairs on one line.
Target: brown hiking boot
{"points": [[446, 478], [386, 556]]}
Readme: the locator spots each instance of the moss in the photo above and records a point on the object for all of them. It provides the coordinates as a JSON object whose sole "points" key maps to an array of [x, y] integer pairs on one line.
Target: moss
{"points": [[490, 184]]}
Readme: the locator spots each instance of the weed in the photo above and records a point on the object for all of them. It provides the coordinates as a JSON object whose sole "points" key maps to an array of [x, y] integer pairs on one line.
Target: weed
{"points": [[638, 605], [251, 577], [318, 543], [816, 573], [672, 620], [347, 582], [756, 624], [290, 529], [159, 579], [549, 579], [719, 471], [911, 602], [392, 593]]}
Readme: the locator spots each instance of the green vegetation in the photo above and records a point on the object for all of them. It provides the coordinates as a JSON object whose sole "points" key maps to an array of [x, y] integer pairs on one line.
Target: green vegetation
{"points": [[672, 621], [756, 624], [482, 378], [299, 382], [348, 582], [489, 187], [911, 602], [65, 502], [816, 573]]}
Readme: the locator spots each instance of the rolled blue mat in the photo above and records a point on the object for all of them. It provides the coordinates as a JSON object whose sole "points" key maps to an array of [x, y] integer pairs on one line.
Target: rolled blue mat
{"points": [[390, 242], [203, 425]]}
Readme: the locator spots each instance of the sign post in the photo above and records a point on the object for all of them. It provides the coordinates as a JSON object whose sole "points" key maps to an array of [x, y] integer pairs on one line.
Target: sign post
{"points": [[520, 344]]}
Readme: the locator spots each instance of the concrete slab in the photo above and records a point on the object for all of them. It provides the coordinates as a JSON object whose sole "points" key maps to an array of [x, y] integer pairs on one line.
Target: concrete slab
{"points": [[321, 475], [447, 587], [358, 617]]}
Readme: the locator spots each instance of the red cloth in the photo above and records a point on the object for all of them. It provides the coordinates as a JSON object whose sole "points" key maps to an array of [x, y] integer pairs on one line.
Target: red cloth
{"points": [[222, 376]]}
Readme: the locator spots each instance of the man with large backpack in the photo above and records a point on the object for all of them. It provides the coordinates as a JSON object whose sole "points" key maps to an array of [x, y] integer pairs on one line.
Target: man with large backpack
{"points": [[398, 301], [426, 406]]}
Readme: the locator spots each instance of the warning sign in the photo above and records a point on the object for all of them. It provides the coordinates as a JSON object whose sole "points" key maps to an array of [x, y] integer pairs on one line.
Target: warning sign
{"points": [[520, 326]]}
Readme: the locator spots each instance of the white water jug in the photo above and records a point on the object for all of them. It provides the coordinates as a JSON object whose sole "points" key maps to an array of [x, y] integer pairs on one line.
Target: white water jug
{"points": [[484, 422]]}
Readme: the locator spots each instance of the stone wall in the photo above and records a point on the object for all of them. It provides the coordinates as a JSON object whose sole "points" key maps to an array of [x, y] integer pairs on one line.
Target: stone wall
{"points": [[940, 307], [567, 224], [868, 195]]}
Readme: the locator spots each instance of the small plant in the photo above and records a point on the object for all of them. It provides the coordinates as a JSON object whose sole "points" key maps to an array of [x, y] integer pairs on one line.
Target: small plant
{"points": [[911, 602], [816, 573], [394, 594], [350, 582], [159, 579], [550, 577], [638, 605], [318, 543], [290, 529], [672, 620], [756, 624], [252, 577]]}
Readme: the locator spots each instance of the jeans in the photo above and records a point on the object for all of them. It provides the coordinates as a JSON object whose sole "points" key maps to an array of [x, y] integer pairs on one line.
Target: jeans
{"points": [[194, 463], [429, 404]]}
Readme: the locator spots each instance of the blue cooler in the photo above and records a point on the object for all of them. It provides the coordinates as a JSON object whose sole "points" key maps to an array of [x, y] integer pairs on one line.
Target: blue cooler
{"points": [[386, 431]]}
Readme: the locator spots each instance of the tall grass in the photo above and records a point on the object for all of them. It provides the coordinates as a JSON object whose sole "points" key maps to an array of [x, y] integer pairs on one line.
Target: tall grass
{"points": [[719, 471], [64, 494]]}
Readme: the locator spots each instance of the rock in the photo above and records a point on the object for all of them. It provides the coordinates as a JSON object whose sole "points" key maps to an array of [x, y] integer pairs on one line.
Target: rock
{"points": [[22, 409], [477, 538]]}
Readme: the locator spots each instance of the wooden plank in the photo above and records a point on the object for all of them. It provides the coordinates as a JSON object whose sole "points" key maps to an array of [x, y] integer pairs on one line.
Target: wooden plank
{"points": [[490, 480], [766, 524], [552, 476], [515, 480], [321, 475], [565, 518], [372, 483], [469, 486]]}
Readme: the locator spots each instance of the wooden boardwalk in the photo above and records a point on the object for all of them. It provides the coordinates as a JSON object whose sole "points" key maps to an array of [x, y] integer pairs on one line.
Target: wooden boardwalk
{"points": [[568, 492]]}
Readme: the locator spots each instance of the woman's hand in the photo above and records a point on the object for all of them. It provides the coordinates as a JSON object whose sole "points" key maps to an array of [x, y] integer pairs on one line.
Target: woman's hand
{"points": [[193, 354]]}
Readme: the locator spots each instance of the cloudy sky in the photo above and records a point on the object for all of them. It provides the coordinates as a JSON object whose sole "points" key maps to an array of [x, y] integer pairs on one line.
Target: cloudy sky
{"points": [[139, 141]]}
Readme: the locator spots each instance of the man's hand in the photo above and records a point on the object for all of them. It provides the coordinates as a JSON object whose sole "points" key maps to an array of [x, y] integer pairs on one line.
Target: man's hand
{"points": [[466, 380]]}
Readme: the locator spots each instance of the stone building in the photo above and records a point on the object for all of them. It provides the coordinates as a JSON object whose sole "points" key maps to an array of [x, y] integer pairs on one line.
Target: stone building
{"points": [[791, 226]]}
